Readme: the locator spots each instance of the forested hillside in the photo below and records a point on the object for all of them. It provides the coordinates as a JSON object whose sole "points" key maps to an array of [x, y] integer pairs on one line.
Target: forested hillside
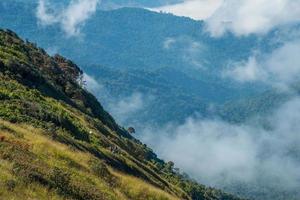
{"points": [[170, 57]]}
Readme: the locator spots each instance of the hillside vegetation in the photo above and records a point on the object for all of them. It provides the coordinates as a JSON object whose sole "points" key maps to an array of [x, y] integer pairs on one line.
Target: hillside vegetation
{"points": [[130, 50], [57, 142]]}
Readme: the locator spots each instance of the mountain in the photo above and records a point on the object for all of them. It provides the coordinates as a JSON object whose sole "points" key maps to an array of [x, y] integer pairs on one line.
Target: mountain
{"points": [[154, 70], [161, 56], [57, 141], [113, 4]]}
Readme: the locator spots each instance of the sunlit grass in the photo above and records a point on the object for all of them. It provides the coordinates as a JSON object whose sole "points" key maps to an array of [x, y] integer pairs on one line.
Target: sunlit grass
{"points": [[56, 154], [135, 188]]}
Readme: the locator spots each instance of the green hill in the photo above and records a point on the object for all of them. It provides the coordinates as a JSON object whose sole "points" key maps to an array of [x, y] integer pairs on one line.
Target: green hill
{"points": [[57, 141]]}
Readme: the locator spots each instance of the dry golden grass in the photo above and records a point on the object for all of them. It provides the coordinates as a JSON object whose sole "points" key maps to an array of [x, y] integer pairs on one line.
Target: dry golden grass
{"points": [[135, 188], [56, 154], [21, 190]]}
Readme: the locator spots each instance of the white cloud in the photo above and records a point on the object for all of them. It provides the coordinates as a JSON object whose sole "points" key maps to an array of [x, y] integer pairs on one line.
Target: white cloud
{"points": [[284, 63], [43, 15], [240, 17], [124, 109], [219, 154], [253, 16], [128, 105], [197, 9], [92, 84], [167, 44], [70, 18], [190, 50], [246, 71], [279, 68]]}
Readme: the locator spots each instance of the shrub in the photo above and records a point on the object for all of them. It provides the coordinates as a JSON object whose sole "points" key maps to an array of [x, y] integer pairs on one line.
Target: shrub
{"points": [[60, 180], [2, 138], [100, 169], [11, 185], [66, 186], [30, 173]]}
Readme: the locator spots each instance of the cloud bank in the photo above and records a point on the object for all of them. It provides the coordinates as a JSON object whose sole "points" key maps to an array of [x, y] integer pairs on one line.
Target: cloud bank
{"points": [[280, 68], [253, 16], [221, 154], [70, 18], [239, 17], [196, 9], [262, 154]]}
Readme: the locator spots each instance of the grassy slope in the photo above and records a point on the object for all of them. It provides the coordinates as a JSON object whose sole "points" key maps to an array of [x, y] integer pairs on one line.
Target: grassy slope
{"points": [[57, 142], [59, 164]]}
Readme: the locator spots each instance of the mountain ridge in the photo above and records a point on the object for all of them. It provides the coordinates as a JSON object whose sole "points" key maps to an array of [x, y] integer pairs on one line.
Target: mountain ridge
{"points": [[134, 40], [43, 103]]}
